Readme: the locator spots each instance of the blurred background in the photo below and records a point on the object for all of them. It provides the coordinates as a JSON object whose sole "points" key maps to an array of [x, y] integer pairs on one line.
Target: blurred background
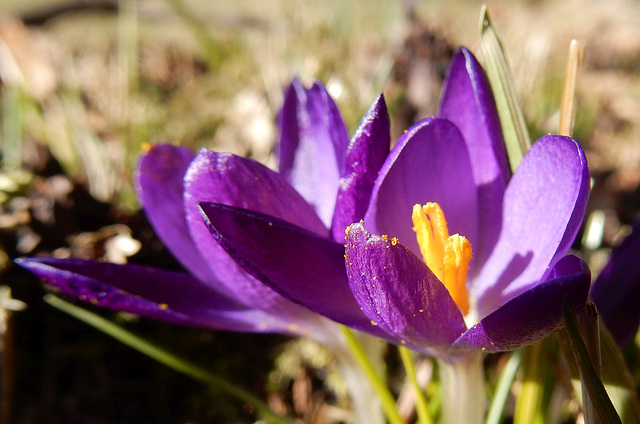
{"points": [[85, 84]]}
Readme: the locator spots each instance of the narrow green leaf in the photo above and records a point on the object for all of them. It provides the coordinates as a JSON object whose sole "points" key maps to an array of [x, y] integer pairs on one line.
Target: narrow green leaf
{"points": [[388, 402], [530, 402], [422, 407], [618, 380], [514, 128], [501, 395], [603, 409], [164, 356]]}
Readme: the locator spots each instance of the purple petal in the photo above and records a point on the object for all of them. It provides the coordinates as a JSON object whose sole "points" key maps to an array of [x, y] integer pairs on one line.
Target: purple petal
{"points": [[468, 102], [617, 289], [367, 151], [430, 163], [399, 293], [159, 185], [150, 292], [241, 182], [300, 265], [534, 314], [543, 208], [312, 145]]}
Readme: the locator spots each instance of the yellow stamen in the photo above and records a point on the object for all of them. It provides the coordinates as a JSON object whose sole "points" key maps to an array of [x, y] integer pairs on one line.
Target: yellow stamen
{"points": [[431, 231], [447, 256], [457, 254]]}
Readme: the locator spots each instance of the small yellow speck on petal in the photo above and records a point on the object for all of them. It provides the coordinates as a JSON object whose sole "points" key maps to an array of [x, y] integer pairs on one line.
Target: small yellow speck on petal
{"points": [[394, 241], [163, 306], [403, 342], [374, 323]]}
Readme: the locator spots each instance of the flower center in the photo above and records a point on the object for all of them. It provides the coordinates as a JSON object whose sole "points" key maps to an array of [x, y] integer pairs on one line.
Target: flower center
{"points": [[447, 256]]}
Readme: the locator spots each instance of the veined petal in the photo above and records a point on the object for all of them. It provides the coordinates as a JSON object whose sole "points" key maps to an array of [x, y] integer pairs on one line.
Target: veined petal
{"points": [[534, 314], [543, 207], [367, 151], [150, 292], [241, 182], [430, 163], [468, 102], [617, 289], [398, 292], [312, 145], [299, 264], [159, 185]]}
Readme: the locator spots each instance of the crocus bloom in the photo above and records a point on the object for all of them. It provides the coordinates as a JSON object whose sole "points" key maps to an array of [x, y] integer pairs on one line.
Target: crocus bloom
{"points": [[286, 230], [316, 158], [617, 289], [520, 228], [170, 181]]}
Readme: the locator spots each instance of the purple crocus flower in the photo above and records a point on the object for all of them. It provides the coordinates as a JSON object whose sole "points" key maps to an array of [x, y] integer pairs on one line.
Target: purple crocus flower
{"points": [[277, 260], [315, 152], [520, 228], [320, 170], [617, 289]]}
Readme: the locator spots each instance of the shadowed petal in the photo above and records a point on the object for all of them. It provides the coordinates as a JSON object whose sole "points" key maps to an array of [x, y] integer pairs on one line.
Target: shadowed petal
{"points": [[232, 180], [300, 265], [399, 293], [468, 102], [543, 207], [150, 292], [367, 151], [159, 185], [430, 163], [617, 289], [312, 146], [534, 314]]}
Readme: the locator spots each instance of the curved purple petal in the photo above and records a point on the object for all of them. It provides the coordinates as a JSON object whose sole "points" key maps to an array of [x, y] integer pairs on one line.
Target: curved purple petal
{"points": [[543, 207], [312, 145], [430, 163], [399, 293], [367, 151], [241, 182], [150, 292], [299, 264], [532, 315], [617, 289], [159, 185], [467, 101]]}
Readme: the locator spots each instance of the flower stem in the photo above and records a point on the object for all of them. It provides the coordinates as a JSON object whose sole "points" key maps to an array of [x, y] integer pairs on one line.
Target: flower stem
{"points": [[165, 357], [421, 400], [463, 396], [388, 403]]}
